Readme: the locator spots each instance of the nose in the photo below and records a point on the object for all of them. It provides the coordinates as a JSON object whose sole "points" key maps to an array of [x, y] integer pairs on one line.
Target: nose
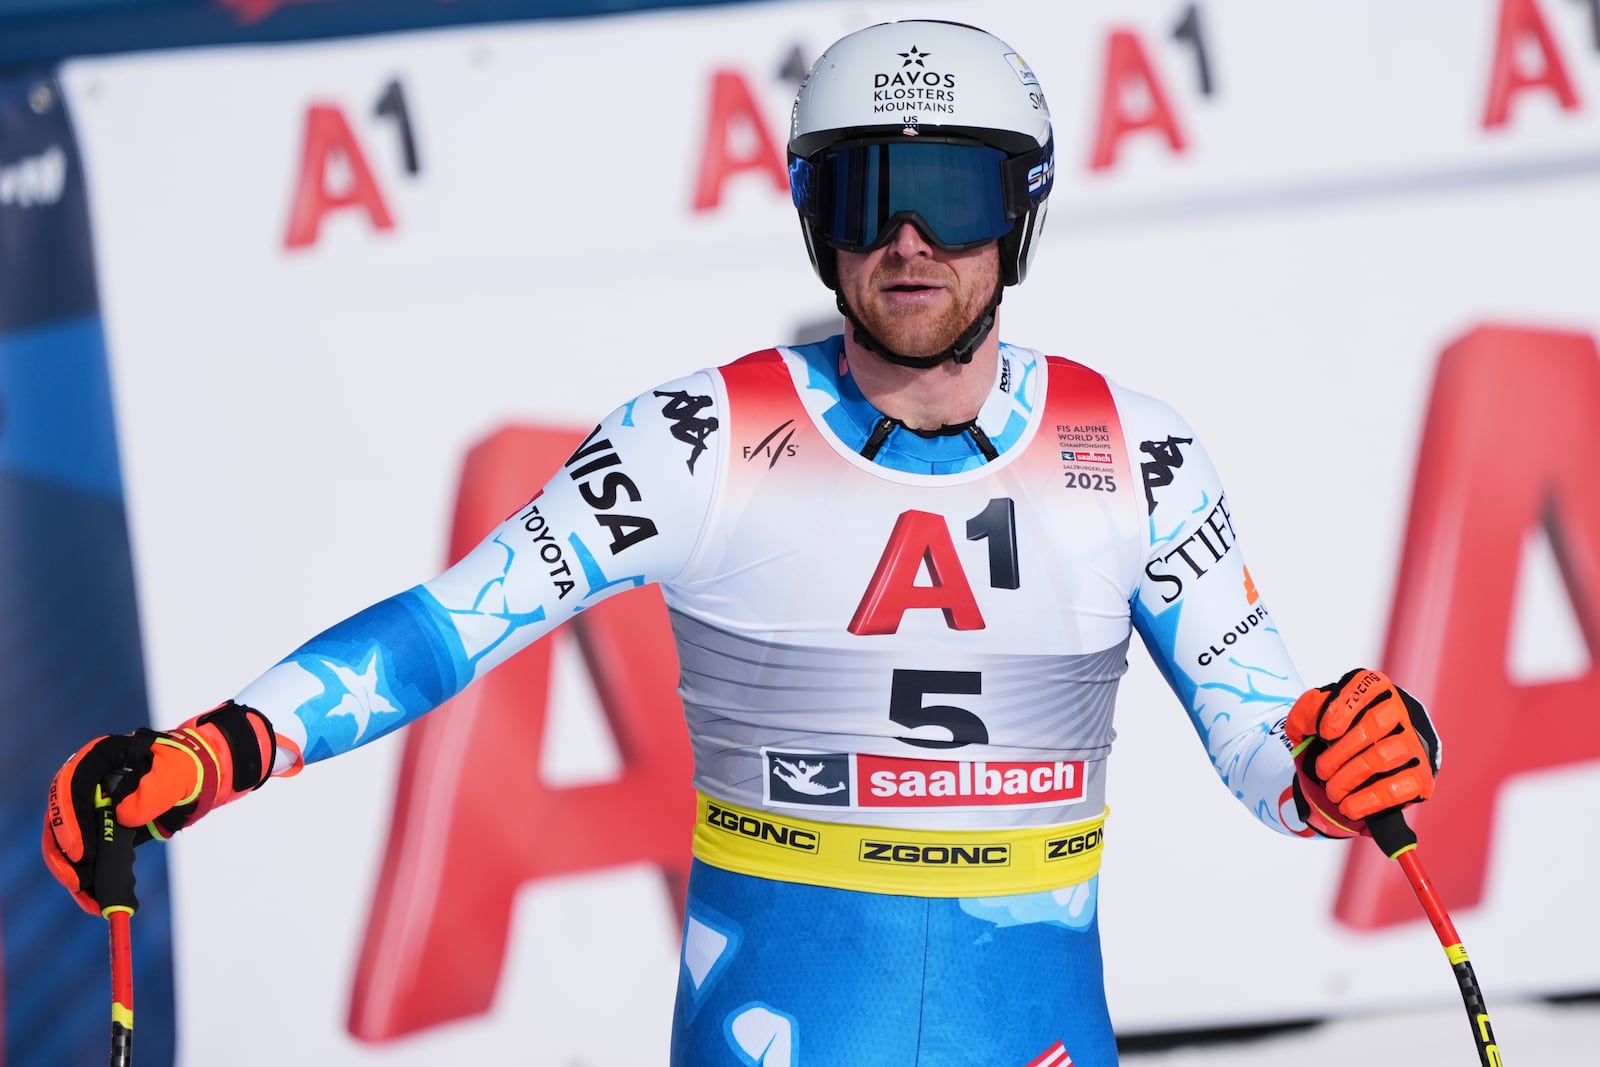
{"points": [[908, 242]]}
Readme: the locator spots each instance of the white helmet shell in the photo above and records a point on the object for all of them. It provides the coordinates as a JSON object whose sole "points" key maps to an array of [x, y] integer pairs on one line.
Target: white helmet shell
{"points": [[927, 78], [921, 73]]}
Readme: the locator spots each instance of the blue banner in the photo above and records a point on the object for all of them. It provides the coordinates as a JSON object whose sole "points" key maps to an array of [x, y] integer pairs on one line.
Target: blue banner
{"points": [[38, 30], [71, 665]]}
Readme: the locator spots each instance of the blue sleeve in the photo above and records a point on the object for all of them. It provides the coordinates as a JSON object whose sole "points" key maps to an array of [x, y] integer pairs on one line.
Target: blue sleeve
{"points": [[374, 672]]}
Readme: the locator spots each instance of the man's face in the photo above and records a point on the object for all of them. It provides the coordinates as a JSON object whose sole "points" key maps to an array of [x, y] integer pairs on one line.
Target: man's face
{"points": [[914, 297]]}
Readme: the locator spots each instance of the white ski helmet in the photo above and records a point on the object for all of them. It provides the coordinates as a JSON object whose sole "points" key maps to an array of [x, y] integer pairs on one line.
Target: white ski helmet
{"points": [[934, 123]]}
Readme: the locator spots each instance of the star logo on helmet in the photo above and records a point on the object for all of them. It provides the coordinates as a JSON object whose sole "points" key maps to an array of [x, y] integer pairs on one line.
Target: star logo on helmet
{"points": [[913, 56]]}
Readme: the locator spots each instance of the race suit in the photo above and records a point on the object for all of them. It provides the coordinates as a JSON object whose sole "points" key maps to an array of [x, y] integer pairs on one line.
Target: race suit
{"points": [[898, 674]]}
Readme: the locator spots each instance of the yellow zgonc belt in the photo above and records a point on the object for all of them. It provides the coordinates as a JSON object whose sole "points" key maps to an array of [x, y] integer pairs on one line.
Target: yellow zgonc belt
{"points": [[925, 863]]}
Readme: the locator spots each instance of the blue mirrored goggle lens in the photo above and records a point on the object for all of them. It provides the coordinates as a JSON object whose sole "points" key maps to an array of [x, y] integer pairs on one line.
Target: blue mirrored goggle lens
{"points": [[858, 195]]}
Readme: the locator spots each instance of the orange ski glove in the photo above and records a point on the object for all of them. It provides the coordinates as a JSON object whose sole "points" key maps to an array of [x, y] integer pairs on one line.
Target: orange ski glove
{"points": [[1361, 745], [163, 781]]}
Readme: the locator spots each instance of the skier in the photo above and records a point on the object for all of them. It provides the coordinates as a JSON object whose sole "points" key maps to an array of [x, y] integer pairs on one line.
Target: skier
{"points": [[903, 568]]}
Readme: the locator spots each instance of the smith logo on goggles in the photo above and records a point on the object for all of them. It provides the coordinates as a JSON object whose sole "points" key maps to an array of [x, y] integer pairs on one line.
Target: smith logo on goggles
{"points": [[958, 194], [874, 859]]}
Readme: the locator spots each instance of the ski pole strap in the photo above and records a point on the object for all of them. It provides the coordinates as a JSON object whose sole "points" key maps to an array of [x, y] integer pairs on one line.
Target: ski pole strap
{"points": [[875, 859]]}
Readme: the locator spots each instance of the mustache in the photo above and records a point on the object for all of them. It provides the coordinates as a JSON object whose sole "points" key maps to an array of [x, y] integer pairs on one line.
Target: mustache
{"points": [[885, 278]]}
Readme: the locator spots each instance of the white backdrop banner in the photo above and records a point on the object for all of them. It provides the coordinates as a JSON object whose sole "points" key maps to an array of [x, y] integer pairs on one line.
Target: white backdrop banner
{"points": [[331, 271]]}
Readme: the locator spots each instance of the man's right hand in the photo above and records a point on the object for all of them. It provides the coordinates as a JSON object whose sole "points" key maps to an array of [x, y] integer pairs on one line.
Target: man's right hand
{"points": [[164, 782]]}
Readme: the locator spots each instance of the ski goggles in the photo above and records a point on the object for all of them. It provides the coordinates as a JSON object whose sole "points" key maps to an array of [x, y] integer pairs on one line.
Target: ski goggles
{"points": [[959, 195]]}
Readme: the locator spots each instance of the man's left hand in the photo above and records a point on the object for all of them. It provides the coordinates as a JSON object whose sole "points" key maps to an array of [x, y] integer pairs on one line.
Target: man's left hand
{"points": [[1361, 746]]}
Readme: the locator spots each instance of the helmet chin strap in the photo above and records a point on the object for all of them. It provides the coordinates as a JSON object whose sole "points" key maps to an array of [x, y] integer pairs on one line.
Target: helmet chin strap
{"points": [[960, 350]]}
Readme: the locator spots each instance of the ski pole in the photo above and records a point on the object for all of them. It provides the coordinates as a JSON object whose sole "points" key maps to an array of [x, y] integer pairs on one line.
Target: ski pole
{"points": [[113, 888], [1399, 842]]}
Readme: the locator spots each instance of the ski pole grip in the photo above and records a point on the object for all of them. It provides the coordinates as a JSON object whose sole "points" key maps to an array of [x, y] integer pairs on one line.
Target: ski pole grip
{"points": [[113, 865], [1391, 832]]}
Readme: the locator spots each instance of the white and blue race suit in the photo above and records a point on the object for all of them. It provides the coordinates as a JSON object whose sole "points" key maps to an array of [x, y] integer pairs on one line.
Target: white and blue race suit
{"points": [[898, 675]]}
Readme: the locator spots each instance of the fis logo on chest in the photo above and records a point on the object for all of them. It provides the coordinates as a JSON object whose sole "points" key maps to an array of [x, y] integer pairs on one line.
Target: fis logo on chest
{"points": [[773, 447]]}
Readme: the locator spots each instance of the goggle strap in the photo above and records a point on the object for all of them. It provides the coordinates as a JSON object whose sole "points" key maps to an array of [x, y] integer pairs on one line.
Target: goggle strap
{"points": [[1028, 179]]}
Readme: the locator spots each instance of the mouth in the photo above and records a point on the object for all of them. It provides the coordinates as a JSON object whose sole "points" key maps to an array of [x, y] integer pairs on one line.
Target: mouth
{"points": [[910, 288]]}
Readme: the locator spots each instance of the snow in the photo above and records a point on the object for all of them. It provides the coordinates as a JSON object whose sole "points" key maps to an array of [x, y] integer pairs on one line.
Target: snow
{"points": [[1531, 1033]]}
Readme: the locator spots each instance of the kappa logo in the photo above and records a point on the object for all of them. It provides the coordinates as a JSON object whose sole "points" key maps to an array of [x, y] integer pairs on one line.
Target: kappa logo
{"points": [[1165, 457], [687, 427]]}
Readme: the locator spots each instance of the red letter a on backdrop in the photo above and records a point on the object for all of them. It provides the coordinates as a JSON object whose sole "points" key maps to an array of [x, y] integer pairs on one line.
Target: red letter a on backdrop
{"points": [[329, 137], [734, 115], [1510, 446], [1520, 21], [1129, 76], [473, 823]]}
